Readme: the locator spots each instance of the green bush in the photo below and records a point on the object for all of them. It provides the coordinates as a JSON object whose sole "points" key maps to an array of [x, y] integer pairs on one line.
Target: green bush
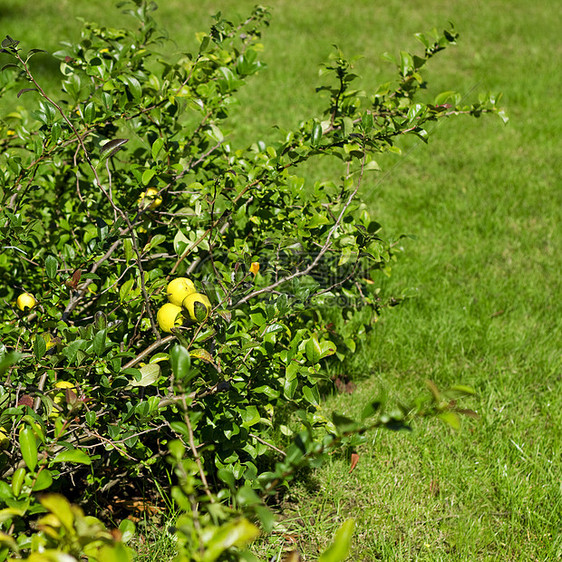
{"points": [[129, 181]]}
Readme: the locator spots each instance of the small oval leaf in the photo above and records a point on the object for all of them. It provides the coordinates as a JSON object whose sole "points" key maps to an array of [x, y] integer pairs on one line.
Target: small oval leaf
{"points": [[74, 456], [28, 447]]}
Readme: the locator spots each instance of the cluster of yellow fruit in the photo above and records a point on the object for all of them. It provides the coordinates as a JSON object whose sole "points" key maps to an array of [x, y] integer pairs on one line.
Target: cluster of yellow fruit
{"points": [[184, 303], [150, 199]]}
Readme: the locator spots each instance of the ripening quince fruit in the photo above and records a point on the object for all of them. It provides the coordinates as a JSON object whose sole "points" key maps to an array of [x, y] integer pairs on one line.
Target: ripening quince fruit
{"points": [[151, 200], [59, 397], [198, 307], [169, 316], [178, 289], [64, 384], [51, 341], [4, 439], [26, 301]]}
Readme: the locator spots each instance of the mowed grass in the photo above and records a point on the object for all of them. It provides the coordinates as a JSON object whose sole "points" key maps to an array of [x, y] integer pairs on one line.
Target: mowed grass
{"points": [[484, 203]]}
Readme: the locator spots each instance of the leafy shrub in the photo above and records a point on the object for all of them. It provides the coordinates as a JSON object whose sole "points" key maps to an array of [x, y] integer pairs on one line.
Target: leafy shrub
{"points": [[129, 181]]}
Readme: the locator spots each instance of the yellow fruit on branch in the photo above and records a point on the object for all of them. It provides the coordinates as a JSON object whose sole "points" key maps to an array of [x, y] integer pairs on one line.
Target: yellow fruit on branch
{"points": [[51, 341], [178, 289], [64, 384], [60, 396], [4, 439], [26, 301], [149, 199], [255, 267], [169, 316], [198, 307]]}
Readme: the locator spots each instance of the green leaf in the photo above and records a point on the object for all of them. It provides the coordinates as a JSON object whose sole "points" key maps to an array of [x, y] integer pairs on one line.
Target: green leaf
{"points": [[32, 52], [202, 354], [28, 447], [311, 395], [91, 418], [461, 390], [258, 317], [60, 507], [9, 513], [157, 146], [17, 480], [215, 133], [156, 240], [371, 409], [327, 348], [126, 289], [406, 63], [117, 552], [99, 343], [128, 249], [39, 347], [371, 166], [7, 543], [347, 126], [43, 481], [8, 360], [344, 424], [51, 266], [339, 549], [290, 387], [503, 116], [133, 85], [90, 112], [444, 97], [56, 131], [451, 419], [316, 134], [227, 477], [74, 456], [112, 147], [313, 349], [147, 175], [250, 416], [149, 375], [72, 349], [423, 39], [127, 528], [9, 42], [180, 360], [181, 242], [236, 533], [205, 41]]}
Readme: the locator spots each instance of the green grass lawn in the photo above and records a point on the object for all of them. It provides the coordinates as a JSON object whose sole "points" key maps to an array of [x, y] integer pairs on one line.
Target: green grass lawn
{"points": [[484, 203]]}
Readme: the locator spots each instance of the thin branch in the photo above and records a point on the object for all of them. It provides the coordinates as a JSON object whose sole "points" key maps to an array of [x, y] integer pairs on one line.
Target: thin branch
{"points": [[323, 250], [270, 445]]}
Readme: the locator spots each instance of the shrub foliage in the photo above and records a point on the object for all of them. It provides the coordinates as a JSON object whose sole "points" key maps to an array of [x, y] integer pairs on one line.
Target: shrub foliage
{"points": [[128, 181]]}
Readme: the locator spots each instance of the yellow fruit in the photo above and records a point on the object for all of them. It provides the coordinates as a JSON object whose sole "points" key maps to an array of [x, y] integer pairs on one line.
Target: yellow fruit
{"points": [[26, 301], [198, 307], [169, 316], [59, 397], [151, 200], [4, 439], [255, 267], [49, 340], [64, 384], [178, 289]]}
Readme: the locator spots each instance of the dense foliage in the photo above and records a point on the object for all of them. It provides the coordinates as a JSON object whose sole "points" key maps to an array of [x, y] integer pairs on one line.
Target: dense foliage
{"points": [[129, 181]]}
